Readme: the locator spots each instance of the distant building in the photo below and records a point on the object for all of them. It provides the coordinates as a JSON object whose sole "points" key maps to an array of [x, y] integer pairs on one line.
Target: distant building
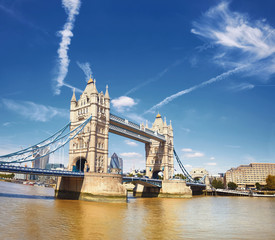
{"points": [[248, 175], [40, 162], [198, 173], [58, 166], [116, 164]]}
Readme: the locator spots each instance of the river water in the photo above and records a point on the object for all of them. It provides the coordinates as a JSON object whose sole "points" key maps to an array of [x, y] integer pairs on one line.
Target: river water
{"points": [[30, 212]]}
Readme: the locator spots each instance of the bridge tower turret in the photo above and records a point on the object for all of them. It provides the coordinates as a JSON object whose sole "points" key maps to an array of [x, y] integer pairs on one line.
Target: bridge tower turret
{"points": [[89, 150], [159, 155]]}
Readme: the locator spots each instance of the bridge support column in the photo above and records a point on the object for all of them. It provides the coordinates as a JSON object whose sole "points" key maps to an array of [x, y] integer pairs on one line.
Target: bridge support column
{"points": [[170, 189], [100, 187]]}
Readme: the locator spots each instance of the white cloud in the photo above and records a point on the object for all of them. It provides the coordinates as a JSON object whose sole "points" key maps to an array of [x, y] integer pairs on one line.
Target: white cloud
{"points": [[6, 124], [212, 158], [232, 146], [211, 164], [131, 154], [242, 87], [86, 68], [123, 103], [34, 111], [72, 9], [131, 143], [187, 150], [194, 155], [240, 39], [187, 130], [188, 166]]}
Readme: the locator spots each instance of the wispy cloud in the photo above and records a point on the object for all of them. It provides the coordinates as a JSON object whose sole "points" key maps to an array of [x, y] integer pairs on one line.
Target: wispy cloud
{"points": [[232, 146], [86, 68], [34, 111], [131, 154], [131, 143], [241, 87], [243, 45], [6, 124], [190, 153], [123, 103], [16, 15], [187, 150], [191, 89], [153, 79], [211, 164], [194, 155], [72, 9], [240, 40]]}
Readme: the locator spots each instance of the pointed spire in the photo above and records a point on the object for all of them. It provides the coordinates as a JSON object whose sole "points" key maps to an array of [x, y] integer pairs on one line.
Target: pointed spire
{"points": [[94, 90], [165, 124], [146, 124], [107, 93], [170, 124], [73, 97]]}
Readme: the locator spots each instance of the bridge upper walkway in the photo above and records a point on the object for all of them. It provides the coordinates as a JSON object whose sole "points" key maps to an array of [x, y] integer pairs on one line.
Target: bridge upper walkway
{"points": [[132, 130]]}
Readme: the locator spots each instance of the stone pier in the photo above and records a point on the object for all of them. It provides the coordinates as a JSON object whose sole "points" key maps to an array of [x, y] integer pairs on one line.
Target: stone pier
{"points": [[100, 187], [170, 189]]}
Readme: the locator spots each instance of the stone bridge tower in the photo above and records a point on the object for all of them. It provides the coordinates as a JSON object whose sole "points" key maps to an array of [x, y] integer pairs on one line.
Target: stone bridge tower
{"points": [[89, 150], [159, 155]]}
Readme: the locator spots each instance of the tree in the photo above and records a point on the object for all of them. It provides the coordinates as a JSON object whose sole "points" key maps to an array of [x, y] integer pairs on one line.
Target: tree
{"points": [[258, 186], [232, 185], [270, 182], [217, 184], [180, 176]]}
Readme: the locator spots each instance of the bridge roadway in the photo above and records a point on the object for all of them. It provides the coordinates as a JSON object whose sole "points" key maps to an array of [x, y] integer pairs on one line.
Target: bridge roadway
{"points": [[62, 173], [132, 130]]}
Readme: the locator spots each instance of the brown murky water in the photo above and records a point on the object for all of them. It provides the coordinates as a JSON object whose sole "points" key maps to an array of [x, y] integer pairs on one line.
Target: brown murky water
{"points": [[28, 212]]}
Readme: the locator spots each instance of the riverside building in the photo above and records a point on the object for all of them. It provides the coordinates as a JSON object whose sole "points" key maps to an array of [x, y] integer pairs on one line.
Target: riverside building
{"points": [[248, 175]]}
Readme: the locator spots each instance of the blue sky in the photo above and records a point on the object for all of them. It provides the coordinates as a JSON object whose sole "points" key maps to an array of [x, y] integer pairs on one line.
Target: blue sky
{"points": [[207, 65]]}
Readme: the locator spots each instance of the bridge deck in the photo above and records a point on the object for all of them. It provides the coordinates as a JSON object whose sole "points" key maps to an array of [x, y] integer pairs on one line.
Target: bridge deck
{"points": [[135, 128], [60, 173]]}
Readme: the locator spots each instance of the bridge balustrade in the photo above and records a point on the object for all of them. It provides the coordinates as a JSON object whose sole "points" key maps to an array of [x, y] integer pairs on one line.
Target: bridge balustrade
{"points": [[129, 133]]}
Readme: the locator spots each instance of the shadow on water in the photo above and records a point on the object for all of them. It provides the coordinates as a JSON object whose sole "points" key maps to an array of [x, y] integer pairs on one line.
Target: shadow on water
{"points": [[13, 195]]}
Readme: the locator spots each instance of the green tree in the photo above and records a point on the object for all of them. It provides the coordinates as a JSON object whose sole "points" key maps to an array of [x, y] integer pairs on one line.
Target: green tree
{"points": [[232, 185], [180, 176], [258, 186], [217, 184], [270, 182]]}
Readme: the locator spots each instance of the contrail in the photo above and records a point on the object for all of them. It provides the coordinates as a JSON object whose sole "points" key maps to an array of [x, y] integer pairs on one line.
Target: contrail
{"points": [[72, 9], [191, 89], [85, 67], [159, 75], [73, 88]]}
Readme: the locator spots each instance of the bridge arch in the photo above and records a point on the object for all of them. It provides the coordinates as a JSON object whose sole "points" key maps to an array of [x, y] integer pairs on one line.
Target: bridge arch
{"points": [[155, 174], [80, 164]]}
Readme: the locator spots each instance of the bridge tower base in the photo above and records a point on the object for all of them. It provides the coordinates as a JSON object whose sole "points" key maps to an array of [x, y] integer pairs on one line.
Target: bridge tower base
{"points": [[170, 189], [100, 187]]}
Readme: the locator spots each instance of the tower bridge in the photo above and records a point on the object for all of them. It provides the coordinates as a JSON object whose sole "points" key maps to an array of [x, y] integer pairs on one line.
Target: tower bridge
{"points": [[87, 176]]}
